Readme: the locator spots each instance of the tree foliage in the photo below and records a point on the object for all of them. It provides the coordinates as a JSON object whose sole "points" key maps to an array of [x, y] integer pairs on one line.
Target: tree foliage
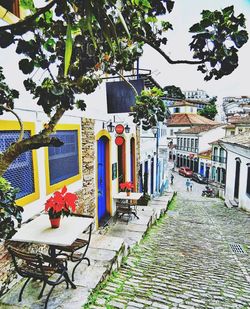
{"points": [[210, 110], [67, 45], [173, 92]]}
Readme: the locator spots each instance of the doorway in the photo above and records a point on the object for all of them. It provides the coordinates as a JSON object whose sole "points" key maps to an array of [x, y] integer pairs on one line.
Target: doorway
{"points": [[237, 179], [121, 151], [103, 178]]}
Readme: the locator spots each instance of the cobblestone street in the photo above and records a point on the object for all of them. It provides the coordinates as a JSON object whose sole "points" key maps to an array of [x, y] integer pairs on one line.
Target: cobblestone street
{"points": [[186, 261]]}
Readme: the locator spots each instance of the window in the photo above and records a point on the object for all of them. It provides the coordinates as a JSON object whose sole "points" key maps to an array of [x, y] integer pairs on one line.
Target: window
{"points": [[171, 132], [176, 110], [232, 132], [22, 173], [248, 180], [66, 156], [12, 6]]}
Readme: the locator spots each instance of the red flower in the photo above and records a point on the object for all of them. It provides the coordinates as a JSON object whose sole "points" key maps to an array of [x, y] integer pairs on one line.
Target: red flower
{"points": [[126, 185], [61, 203]]}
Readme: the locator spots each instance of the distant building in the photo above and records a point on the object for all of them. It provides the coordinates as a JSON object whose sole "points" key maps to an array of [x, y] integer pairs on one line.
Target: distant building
{"points": [[237, 125], [237, 191], [181, 121], [182, 106], [196, 95], [235, 105], [193, 149]]}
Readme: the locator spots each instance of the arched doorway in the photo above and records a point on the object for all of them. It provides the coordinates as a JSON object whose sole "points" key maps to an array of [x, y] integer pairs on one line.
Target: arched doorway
{"points": [[152, 176], [132, 162], [237, 179], [202, 168], [121, 152], [145, 176], [184, 161], [196, 165], [103, 179], [178, 160], [181, 161]]}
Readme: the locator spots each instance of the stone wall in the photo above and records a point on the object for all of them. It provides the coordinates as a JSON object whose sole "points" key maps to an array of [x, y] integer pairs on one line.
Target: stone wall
{"points": [[86, 201], [138, 154]]}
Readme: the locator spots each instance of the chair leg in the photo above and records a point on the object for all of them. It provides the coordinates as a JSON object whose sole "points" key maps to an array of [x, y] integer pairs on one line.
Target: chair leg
{"points": [[48, 296], [22, 289], [66, 276], [42, 290]]}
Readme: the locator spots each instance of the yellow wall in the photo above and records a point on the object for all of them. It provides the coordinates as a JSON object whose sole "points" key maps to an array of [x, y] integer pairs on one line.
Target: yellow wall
{"points": [[51, 188]]}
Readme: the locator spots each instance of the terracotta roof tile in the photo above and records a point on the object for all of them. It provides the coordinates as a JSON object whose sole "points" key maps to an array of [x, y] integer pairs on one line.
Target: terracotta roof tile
{"points": [[197, 129], [184, 119]]}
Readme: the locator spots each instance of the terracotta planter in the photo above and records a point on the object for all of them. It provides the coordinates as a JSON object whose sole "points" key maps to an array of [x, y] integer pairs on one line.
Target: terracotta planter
{"points": [[55, 222], [128, 193]]}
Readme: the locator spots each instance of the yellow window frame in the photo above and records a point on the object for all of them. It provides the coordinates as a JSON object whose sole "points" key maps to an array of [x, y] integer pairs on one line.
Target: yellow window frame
{"points": [[11, 125], [51, 188]]}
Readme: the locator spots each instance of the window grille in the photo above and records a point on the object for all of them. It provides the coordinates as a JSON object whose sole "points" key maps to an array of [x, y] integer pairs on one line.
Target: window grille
{"points": [[64, 160], [20, 172]]}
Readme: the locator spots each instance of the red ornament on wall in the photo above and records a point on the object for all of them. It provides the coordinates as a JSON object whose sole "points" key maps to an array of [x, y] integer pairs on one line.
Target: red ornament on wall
{"points": [[119, 140], [119, 129]]}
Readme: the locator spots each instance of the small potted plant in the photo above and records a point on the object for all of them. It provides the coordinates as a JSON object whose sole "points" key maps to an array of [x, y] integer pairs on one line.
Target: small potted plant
{"points": [[127, 187], [62, 203]]}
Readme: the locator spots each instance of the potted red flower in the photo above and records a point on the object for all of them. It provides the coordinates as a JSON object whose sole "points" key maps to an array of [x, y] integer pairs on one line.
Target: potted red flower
{"points": [[126, 186], [61, 203]]}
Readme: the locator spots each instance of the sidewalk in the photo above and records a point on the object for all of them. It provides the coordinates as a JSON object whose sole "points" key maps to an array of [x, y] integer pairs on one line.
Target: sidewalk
{"points": [[105, 253]]}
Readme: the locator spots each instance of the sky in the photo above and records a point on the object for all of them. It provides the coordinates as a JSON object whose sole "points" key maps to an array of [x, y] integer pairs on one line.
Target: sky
{"points": [[185, 14]]}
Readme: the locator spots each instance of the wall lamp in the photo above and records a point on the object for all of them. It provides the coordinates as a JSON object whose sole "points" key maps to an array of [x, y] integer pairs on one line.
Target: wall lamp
{"points": [[127, 128], [110, 127]]}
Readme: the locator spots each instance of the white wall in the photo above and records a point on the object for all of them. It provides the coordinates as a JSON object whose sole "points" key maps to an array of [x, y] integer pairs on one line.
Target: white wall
{"points": [[234, 152], [210, 136]]}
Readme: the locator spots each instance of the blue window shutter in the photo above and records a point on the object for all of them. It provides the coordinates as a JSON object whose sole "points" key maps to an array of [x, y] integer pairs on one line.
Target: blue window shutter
{"points": [[64, 160], [20, 172]]}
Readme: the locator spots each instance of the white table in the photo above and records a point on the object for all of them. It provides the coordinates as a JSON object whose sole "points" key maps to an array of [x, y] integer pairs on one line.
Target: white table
{"points": [[134, 196], [123, 196], [39, 231]]}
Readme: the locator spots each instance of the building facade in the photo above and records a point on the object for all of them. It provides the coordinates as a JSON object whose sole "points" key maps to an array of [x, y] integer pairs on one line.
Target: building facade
{"points": [[237, 191]]}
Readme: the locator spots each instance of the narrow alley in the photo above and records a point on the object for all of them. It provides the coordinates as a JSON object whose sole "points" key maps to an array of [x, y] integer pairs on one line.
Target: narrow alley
{"points": [[197, 256]]}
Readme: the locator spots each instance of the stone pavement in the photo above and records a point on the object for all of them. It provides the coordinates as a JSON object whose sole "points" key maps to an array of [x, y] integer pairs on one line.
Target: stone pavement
{"points": [[185, 261], [105, 253]]}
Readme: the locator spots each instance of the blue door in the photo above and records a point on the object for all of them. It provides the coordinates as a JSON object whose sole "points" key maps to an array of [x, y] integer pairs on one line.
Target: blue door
{"points": [[152, 176], [101, 150], [202, 169]]}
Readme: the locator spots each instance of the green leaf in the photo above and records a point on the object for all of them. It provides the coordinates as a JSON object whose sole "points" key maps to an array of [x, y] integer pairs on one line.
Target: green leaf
{"points": [[89, 17], [68, 49], [26, 66], [240, 38], [28, 5], [123, 22], [196, 28], [170, 5], [228, 11]]}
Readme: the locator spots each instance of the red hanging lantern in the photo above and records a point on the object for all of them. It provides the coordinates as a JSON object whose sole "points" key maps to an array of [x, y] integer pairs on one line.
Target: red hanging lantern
{"points": [[119, 129], [119, 140]]}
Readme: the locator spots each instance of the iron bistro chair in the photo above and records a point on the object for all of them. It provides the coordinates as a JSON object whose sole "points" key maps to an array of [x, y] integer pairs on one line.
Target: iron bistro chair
{"points": [[71, 251], [41, 267]]}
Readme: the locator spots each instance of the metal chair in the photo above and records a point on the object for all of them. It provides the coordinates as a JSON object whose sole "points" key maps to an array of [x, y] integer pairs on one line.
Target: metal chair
{"points": [[71, 251], [40, 267]]}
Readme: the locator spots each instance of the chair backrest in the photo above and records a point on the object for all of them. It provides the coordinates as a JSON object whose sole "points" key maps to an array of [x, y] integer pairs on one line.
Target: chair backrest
{"points": [[21, 258]]}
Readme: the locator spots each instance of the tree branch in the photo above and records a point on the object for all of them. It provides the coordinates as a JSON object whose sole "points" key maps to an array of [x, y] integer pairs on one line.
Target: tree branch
{"points": [[19, 120], [160, 51], [29, 18], [128, 83], [42, 139]]}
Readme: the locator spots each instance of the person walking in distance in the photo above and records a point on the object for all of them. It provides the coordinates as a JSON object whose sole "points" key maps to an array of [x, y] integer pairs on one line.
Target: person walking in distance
{"points": [[188, 184], [191, 185], [172, 179]]}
